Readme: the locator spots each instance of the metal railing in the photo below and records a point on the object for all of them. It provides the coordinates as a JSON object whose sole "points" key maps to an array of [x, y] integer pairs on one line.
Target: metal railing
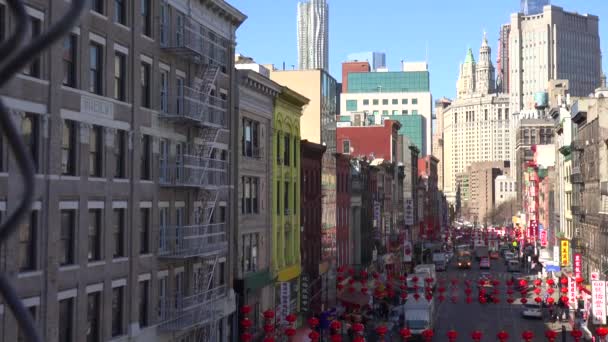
{"points": [[184, 312], [190, 241], [198, 107], [190, 40], [194, 171]]}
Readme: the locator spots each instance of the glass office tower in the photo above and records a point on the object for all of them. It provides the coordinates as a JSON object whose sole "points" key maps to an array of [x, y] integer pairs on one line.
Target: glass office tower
{"points": [[529, 7]]}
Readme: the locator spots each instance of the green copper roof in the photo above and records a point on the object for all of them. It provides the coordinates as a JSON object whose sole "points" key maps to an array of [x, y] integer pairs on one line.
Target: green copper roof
{"points": [[469, 58]]}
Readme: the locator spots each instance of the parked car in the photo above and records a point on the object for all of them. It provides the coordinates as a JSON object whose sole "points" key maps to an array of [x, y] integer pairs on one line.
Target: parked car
{"points": [[532, 310], [494, 255], [484, 263]]}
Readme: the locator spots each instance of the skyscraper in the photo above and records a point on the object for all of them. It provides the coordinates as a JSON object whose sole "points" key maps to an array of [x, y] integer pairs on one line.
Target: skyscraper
{"points": [[375, 59], [502, 76], [529, 7], [313, 25]]}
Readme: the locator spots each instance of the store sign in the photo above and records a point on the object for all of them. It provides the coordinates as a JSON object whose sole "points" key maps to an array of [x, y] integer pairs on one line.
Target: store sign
{"points": [[578, 265], [543, 235], [572, 292], [407, 251], [564, 253], [284, 300], [376, 213], [556, 256], [598, 308], [409, 211]]}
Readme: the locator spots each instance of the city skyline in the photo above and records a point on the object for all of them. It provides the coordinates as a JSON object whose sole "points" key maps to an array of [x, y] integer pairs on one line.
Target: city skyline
{"points": [[444, 47]]}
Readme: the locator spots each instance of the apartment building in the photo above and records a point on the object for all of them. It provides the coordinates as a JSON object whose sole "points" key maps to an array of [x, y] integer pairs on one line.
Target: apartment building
{"points": [[129, 124]]}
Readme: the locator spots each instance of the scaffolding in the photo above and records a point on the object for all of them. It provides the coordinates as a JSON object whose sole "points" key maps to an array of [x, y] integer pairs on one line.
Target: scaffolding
{"points": [[201, 165]]}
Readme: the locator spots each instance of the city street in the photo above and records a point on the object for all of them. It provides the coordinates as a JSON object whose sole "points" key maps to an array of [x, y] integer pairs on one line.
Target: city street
{"points": [[488, 318]]}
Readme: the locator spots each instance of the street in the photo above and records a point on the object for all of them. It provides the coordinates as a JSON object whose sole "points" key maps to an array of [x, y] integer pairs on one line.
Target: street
{"points": [[487, 318]]}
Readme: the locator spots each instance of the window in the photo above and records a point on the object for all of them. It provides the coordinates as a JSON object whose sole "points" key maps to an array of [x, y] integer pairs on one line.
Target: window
{"points": [[179, 288], [119, 232], [414, 101], [28, 238], [66, 320], [95, 69], [66, 242], [164, 24], [146, 18], [179, 161], [33, 69], [366, 102], [375, 102], [144, 231], [179, 30], [384, 102], [68, 148], [404, 101], [29, 133], [250, 138], [162, 298], [395, 101], [286, 149], [69, 60], [21, 334], [346, 146], [93, 314], [180, 95], [117, 311], [404, 112], [145, 157], [414, 111], [250, 252], [395, 112], [164, 91], [385, 112], [95, 151], [163, 227], [2, 22], [120, 12], [120, 154], [351, 105], [144, 288], [97, 6], [120, 74], [94, 235], [163, 160], [145, 84], [286, 198], [249, 195]]}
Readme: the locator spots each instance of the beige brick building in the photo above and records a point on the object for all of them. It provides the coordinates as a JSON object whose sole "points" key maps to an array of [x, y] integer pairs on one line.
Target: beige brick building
{"points": [[481, 188]]}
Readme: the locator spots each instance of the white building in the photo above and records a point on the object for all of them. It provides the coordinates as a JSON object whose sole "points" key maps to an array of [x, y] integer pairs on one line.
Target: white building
{"points": [[504, 189], [476, 124], [313, 26]]}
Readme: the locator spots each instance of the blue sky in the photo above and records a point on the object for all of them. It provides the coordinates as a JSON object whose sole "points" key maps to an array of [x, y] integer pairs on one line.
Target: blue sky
{"points": [[400, 28]]}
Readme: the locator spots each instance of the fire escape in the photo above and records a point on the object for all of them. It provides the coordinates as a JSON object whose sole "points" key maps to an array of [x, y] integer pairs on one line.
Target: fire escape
{"points": [[203, 167]]}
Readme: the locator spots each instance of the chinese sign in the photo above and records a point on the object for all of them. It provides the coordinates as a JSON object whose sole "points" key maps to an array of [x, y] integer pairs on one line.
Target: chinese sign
{"points": [[572, 292], [376, 214], [598, 293], [285, 299], [578, 265], [407, 251], [409, 211], [565, 252], [543, 235]]}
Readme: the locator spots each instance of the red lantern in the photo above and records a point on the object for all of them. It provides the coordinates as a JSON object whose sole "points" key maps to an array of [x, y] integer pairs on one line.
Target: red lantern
{"points": [[476, 335], [579, 280], [482, 299], [550, 300], [510, 292], [469, 300], [335, 325], [403, 295], [405, 333], [336, 338], [537, 282], [268, 339], [452, 335], [402, 278], [402, 287], [245, 309], [364, 290], [441, 289], [601, 331], [550, 282], [351, 281], [313, 322], [359, 339], [351, 271], [268, 314], [340, 287], [289, 332], [502, 335], [245, 337], [538, 299], [510, 300], [427, 335], [550, 335], [495, 282], [358, 327], [381, 330], [564, 290], [416, 296], [527, 335], [429, 297], [564, 299], [495, 299], [523, 300], [467, 291], [550, 290], [454, 282], [375, 275], [441, 298], [314, 336], [429, 280], [415, 279], [291, 318], [363, 274], [537, 290], [576, 334], [523, 283], [268, 328], [563, 281], [509, 283], [246, 323], [340, 278]]}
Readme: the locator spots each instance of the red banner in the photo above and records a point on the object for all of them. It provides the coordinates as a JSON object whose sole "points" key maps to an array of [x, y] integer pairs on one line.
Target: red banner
{"points": [[578, 265]]}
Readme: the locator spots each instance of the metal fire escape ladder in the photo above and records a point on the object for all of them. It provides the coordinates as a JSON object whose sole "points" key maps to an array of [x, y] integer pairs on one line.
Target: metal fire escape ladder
{"points": [[204, 83]]}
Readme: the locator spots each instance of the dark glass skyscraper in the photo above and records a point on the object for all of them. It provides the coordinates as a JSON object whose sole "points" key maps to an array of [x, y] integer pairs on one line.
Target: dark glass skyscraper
{"points": [[529, 7]]}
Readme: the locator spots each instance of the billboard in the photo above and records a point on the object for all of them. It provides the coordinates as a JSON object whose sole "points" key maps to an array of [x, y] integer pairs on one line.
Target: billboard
{"points": [[598, 301], [564, 248]]}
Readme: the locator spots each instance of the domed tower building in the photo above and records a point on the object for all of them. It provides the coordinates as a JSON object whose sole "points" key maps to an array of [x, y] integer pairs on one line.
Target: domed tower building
{"points": [[484, 71], [466, 80]]}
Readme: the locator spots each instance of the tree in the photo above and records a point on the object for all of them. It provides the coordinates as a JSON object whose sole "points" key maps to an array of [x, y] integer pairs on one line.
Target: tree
{"points": [[503, 212]]}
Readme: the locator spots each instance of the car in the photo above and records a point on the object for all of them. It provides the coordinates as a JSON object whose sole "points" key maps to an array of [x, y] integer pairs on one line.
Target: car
{"points": [[513, 266], [484, 263], [532, 310], [494, 255]]}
